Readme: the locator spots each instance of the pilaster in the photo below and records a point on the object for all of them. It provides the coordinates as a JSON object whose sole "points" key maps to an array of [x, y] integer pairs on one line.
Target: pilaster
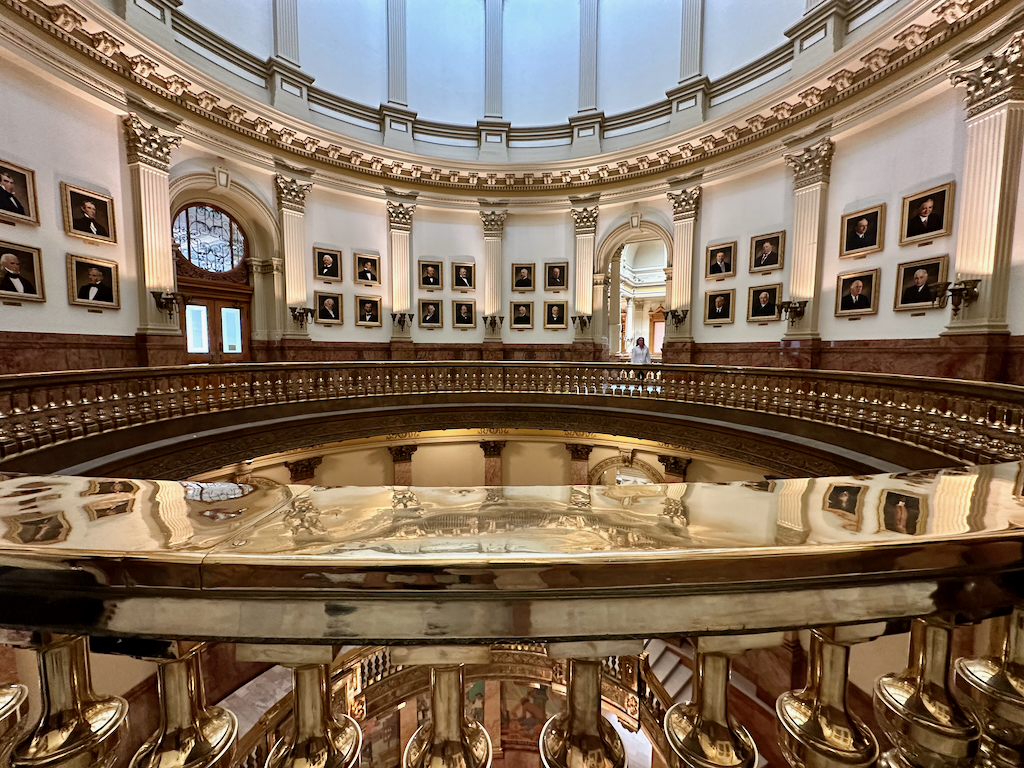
{"points": [[286, 30], [811, 171], [397, 76], [690, 98], [492, 461], [588, 55], [399, 233], [493, 13], [494, 232], [585, 220], [615, 329], [148, 150], [991, 179], [685, 209], [291, 209], [401, 458], [579, 463]]}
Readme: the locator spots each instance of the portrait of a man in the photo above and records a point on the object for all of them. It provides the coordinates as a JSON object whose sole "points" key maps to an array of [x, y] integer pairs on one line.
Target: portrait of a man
{"points": [[522, 277], [927, 215], [368, 310], [555, 276], [21, 274], [17, 194], [857, 293], [863, 232], [367, 269], [846, 502], [766, 252], [430, 275], [430, 313], [464, 314], [720, 261], [88, 215], [328, 308], [763, 303], [522, 314], [328, 265], [463, 277], [916, 283], [718, 307], [903, 513], [93, 282], [555, 314]]}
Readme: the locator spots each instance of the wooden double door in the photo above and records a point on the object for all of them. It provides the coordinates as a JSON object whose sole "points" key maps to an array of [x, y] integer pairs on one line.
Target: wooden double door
{"points": [[216, 323]]}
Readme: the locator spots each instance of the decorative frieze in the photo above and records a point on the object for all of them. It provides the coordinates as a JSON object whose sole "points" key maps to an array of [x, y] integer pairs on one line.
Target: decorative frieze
{"points": [[147, 144], [999, 78], [877, 59], [106, 43], [178, 85], [813, 164], [143, 66], [811, 97], [842, 80], [261, 126], [400, 216], [586, 220], [755, 123], [494, 223], [685, 203], [911, 37], [67, 18], [291, 193], [782, 110], [951, 11]]}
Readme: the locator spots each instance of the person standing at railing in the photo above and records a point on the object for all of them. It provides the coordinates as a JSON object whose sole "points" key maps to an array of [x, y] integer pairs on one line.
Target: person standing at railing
{"points": [[641, 355]]}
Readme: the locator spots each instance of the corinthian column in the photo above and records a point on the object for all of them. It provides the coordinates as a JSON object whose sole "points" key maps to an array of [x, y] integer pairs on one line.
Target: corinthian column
{"points": [[685, 207], [291, 208], [494, 231], [149, 156], [811, 170], [586, 235], [991, 179], [399, 231]]}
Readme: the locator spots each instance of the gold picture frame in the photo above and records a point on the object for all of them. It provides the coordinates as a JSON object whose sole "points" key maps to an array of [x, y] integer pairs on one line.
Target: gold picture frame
{"points": [[82, 272], [88, 214], [28, 267]]}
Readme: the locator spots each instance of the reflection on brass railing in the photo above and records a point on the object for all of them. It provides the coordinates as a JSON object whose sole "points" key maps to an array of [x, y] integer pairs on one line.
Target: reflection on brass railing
{"points": [[969, 421]]}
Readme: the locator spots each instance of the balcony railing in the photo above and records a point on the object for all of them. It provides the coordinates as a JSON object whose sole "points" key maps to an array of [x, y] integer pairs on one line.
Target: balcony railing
{"points": [[972, 422]]}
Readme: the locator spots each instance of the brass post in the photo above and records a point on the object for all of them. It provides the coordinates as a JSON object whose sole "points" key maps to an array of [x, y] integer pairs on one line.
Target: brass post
{"points": [[815, 725], [992, 688], [701, 732], [77, 727], [191, 733], [450, 739], [915, 710], [319, 739], [581, 736]]}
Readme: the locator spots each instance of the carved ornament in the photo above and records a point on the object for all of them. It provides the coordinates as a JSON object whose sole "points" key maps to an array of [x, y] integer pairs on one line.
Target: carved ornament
{"points": [[494, 223], [400, 216], [675, 465], [291, 193], [147, 144], [813, 165], [579, 451], [401, 454], [303, 469], [999, 78], [685, 203], [492, 448], [586, 220]]}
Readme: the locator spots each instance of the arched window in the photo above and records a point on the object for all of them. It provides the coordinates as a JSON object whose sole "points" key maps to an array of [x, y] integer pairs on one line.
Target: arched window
{"points": [[209, 238]]}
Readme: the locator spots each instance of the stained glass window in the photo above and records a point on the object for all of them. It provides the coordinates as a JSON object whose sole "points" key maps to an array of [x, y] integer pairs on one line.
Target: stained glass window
{"points": [[209, 238]]}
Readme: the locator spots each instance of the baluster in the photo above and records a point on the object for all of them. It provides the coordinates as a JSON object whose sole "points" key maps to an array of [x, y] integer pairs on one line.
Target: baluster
{"points": [[815, 725], [191, 733], [992, 688], [701, 732], [581, 736], [76, 727], [915, 710]]}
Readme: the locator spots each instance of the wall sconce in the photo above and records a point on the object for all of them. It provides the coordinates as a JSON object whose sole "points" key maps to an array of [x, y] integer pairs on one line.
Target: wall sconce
{"points": [[494, 322], [582, 320], [301, 314], [794, 310], [940, 292], [678, 316], [964, 293], [401, 319], [168, 301]]}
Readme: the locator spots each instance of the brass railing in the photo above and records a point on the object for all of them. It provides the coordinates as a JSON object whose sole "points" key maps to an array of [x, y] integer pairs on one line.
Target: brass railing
{"points": [[972, 422]]}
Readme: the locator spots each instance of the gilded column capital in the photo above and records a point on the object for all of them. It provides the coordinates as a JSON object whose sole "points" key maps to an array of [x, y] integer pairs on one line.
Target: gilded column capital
{"points": [[147, 144], [494, 223], [812, 165], [685, 203], [291, 193], [675, 465], [400, 216], [303, 469], [579, 451], [999, 78], [492, 448], [586, 220], [401, 453]]}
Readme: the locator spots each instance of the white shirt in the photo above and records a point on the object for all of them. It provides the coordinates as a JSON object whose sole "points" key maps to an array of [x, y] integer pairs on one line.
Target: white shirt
{"points": [[640, 355], [93, 290], [16, 281]]}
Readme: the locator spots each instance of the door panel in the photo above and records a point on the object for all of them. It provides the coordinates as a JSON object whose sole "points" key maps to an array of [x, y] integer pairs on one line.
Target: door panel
{"points": [[216, 330]]}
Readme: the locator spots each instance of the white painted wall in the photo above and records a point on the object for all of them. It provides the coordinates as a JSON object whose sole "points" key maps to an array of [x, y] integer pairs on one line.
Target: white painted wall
{"points": [[738, 31], [637, 52], [537, 240], [445, 44], [249, 24], [64, 137], [540, 71], [344, 46]]}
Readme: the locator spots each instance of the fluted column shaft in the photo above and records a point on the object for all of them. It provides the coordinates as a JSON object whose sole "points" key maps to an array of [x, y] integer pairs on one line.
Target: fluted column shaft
{"points": [[397, 74], [586, 235], [493, 10], [286, 30], [494, 233], [588, 55], [399, 232], [291, 208], [685, 208], [988, 206], [691, 48]]}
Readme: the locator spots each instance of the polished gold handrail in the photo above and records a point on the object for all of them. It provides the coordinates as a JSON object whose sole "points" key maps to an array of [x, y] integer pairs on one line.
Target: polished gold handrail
{"points": [[972, 422]]}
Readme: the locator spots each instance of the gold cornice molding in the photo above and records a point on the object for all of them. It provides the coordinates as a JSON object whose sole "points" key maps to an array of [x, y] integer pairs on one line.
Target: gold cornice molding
{"points": [[109, 42]]}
